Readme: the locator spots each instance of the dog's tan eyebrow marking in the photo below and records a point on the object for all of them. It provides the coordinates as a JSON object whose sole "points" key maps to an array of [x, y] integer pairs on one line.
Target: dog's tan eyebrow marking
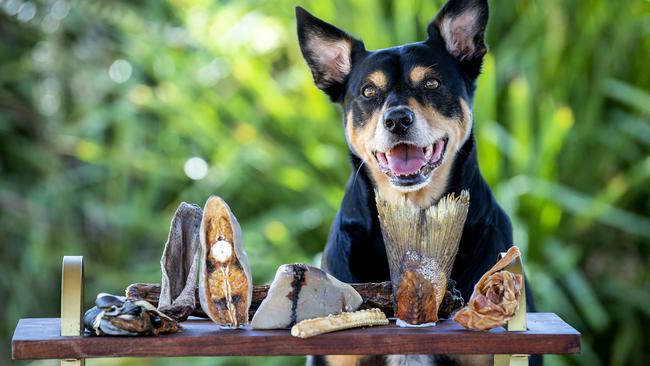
{"points": [[418, 73], [378, 78]]}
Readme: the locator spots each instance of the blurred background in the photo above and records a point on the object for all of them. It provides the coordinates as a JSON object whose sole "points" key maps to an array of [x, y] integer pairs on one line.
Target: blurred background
{"points": [[113, 112]]}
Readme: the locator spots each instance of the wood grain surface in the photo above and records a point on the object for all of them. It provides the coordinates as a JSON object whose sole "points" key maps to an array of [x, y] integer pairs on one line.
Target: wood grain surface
{"points": [[547, 334]]}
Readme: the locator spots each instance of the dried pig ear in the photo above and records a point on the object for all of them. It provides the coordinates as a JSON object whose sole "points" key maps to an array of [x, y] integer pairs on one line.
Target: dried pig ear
{"points": [[495, 299], [179, 263], [225, 281]]}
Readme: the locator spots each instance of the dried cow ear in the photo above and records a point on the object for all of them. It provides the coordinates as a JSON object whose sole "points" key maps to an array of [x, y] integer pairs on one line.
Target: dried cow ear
{"points": [[179, 263]]}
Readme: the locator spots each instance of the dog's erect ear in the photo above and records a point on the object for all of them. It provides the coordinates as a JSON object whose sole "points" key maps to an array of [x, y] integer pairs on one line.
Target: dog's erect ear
{"points": [[328, 50], [460, 24]]}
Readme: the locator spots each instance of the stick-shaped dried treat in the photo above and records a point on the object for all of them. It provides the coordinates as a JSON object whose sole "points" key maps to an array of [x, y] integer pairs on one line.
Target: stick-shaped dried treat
{"points": [[331, 323], [421, 245], [495, 299], [225, 282]]}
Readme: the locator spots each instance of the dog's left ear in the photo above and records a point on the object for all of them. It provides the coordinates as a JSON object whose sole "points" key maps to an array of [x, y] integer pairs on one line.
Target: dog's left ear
{"points": [[329, 52], [460, 24]]}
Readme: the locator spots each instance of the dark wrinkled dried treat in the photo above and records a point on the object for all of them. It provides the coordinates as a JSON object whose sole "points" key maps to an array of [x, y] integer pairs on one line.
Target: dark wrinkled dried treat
{"points": [[452, 301], [116, 316]]}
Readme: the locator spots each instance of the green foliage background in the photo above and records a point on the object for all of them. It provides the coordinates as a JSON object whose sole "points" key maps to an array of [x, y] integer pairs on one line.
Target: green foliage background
{"points": [[95, 167]]}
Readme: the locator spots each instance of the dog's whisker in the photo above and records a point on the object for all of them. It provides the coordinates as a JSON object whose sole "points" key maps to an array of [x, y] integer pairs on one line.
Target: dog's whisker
{"points": [[356, 174]]}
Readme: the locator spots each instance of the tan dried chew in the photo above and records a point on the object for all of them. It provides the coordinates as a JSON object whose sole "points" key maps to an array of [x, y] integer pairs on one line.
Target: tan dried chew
{"points": [[495, 298], [421, 247], [331, 323], [225, 282]]}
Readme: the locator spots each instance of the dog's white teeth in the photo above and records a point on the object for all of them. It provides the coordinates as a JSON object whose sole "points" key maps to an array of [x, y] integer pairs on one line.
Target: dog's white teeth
{"points": [[428, 152]]}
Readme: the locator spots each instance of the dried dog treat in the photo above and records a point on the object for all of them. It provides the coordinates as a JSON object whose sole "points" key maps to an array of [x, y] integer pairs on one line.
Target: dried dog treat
{"points": [[331, 323], [495, 298], [421, 245], [299, 292], [179, 263], [115, 315], [225, 282]]}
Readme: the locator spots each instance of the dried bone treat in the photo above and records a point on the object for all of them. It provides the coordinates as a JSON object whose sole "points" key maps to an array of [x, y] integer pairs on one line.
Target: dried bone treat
{"points": [[115, 315], [421, 245], [225, 281], [179, 263], [299, 292], [331, 323], [495, 299]]}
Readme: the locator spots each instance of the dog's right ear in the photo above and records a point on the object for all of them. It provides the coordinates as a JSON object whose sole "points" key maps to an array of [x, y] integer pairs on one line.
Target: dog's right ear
{"points": [[329, 52]]}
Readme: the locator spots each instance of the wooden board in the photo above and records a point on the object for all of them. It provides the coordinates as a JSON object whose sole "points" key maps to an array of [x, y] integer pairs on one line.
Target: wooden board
{"points": [[547, 334]]}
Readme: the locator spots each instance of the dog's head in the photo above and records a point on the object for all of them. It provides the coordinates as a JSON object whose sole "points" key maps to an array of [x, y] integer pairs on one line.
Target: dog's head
{"points": [[407, 108]]}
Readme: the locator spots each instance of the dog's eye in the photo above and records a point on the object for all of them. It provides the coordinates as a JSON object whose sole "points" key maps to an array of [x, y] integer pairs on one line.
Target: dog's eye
{"points": [[369, 91], [432, 83]]}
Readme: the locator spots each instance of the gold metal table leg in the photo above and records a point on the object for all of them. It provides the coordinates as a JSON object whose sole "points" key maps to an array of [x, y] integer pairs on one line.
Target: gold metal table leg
{"points": [[518, 323], [72, 294]]}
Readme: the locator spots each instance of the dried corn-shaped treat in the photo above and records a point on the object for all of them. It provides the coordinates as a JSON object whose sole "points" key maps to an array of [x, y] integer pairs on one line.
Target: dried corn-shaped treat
{"points": [[331, 323], [225, 281]]}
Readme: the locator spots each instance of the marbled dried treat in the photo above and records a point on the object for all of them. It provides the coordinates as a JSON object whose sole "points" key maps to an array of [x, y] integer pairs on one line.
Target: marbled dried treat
{"points": [[225, 281], [299, 292], [421, 245], [179, 263], [115, 315], [495, 298]]}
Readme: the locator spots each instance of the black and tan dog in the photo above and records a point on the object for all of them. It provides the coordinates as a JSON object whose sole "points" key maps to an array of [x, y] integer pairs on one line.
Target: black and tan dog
{"points": [[408, 124]]}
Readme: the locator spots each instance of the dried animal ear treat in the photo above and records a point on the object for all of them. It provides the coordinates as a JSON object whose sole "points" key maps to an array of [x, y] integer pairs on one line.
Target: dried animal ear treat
{"points": [[495, 298], [421, 245], [299, 292], [179, 263], [332, 323], [115, 315], [225, 281]]}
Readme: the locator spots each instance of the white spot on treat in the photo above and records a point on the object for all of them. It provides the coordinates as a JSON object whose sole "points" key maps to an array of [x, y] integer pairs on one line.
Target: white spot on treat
{"points": [[221, 251]]}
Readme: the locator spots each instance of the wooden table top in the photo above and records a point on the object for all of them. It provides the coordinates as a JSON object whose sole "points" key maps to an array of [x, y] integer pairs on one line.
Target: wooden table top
{"points": [[40, 338]]}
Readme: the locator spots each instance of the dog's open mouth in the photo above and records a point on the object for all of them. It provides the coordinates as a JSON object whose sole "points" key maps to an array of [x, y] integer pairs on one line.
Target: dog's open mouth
{"points": [[409, 165]]}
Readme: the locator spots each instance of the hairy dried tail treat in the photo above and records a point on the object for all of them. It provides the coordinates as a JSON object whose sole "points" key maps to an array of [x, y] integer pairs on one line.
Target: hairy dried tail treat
{"points": [[225, 281], [331, 323]]}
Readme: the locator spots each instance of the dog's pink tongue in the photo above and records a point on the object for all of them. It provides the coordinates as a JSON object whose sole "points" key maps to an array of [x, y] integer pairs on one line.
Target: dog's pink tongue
{"points": [[406, 159]]}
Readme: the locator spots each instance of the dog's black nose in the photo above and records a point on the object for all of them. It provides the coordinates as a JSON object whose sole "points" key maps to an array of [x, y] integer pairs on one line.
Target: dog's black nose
{"points": [[397, 120]]}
